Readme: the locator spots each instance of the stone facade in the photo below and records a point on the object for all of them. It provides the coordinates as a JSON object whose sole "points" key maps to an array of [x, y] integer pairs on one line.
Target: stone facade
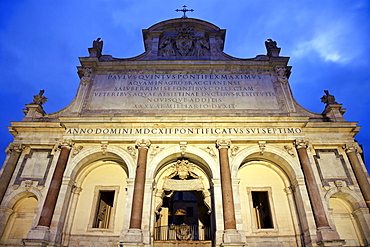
{"points": [[184, 145]]}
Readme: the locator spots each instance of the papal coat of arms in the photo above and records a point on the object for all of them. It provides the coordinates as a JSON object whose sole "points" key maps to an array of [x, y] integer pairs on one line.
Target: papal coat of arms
{"points": [[184, 41]]}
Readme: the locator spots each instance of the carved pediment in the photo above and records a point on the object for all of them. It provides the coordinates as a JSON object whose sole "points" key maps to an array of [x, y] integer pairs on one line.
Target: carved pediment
{"points": [[184, 39]]}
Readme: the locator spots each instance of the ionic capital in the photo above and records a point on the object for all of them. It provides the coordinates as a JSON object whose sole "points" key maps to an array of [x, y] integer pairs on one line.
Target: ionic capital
{"points": [[17, 147], [142, 143], [352, 147], [301, 143], [66, 143], [223, 144]]}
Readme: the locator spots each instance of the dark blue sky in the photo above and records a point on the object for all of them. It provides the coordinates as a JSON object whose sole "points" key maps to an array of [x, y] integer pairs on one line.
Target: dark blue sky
{"points": [[328, 42]]}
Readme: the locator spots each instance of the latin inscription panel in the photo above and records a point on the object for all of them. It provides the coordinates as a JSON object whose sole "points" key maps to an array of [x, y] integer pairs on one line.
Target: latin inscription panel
{"points": [[183, 92]]}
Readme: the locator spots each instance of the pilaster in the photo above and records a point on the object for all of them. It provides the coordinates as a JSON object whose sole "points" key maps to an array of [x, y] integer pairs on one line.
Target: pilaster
{"points": [[326, 236], [40, 235]]}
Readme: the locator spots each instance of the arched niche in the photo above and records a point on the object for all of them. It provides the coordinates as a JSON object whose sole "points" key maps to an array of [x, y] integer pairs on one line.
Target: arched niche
{"points": [[267, 204], [21, 219], [348, 213], [99, 194]]}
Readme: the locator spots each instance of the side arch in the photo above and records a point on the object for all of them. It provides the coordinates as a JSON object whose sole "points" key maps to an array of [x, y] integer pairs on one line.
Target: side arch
{"points": [[288, 163], [18, 217], [93, 154]]}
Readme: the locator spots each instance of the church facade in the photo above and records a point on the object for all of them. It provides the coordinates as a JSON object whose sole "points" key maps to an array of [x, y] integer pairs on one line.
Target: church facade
{"points": [[184, 145]]}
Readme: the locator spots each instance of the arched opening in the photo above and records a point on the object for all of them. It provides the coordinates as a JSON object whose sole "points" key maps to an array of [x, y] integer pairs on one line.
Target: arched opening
{"points": [[267, 203], [20, 221], [97, 202], [183, 204], [345, 222]]}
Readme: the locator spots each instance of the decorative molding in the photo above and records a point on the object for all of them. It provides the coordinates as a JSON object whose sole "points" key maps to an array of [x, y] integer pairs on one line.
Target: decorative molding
{"points": [[210, 151], [131, 150], [76, 150], [156, 150], [352, 147], [326, 181], [262, 146], [234, 150], [142, 143], [16, 147], [104, 146], [289, 150], [183, 148], [41, 181]]}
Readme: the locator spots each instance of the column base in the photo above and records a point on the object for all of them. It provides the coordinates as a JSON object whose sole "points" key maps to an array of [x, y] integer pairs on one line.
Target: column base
{"points": [[232, 237], [327, 237], [38, 236], [133, 237]]}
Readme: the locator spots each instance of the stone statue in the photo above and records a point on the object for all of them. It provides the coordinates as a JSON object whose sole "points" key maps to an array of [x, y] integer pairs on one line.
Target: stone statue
{"points": [[167, 47], [39, 99], [98, 44], [270, 44], [328, 98], [220, 43], [200, 43]]}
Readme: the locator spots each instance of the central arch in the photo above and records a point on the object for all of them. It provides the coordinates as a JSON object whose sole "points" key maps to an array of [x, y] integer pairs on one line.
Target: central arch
{"points": [[183, 208]]}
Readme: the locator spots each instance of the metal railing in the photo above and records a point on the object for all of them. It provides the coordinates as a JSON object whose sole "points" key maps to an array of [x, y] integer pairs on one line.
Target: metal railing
{"points": [[182, 233]]}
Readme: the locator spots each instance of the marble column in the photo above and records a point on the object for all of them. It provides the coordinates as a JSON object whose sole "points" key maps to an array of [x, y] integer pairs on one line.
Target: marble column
{"points": [[231, 235], [226, 186], [360, 173], [134, 234], [326, 235], [39, 235], [139, 184], [9, 168]]}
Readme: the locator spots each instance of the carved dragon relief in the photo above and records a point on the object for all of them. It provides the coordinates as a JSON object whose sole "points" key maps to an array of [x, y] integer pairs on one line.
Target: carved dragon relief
{"points": [[184, 43]]}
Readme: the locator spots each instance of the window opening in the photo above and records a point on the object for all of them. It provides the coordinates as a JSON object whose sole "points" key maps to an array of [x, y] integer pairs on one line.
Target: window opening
{"points": [[104, 209], [262, 209]]}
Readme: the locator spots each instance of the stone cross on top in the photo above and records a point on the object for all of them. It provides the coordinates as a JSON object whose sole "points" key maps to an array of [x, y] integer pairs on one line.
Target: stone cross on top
{"points": [[184, 10]]}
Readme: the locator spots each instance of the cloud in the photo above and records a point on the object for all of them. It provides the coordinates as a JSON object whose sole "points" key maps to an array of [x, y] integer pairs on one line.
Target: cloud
{"points": [[335, 37], [325, 45]]}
